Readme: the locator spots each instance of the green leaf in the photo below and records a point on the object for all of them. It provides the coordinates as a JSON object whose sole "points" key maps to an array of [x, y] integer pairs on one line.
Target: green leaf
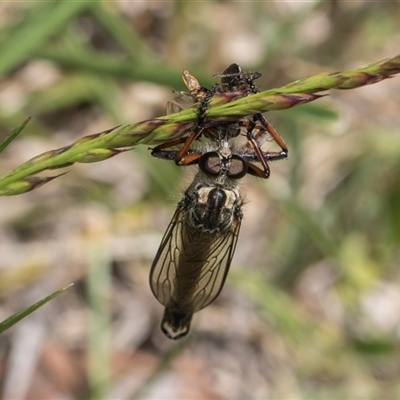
{"points": [[10, 321], [35, 30], [13, 134]]}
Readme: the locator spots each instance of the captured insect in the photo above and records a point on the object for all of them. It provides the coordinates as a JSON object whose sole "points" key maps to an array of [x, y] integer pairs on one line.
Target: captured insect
{"points": [[257, 129], [195, 254], [233, 79]]}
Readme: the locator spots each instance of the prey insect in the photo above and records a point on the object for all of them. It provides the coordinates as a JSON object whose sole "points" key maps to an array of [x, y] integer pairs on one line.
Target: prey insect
{"points": [[195, 254], [256, 129]]}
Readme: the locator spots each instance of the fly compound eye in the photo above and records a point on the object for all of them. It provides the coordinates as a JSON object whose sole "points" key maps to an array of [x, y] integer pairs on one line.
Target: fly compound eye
{"points": [[238, 168], [210, 163]]}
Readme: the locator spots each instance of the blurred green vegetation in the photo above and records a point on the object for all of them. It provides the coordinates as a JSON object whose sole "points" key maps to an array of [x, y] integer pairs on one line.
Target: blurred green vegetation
{"points": [[319, 253]]}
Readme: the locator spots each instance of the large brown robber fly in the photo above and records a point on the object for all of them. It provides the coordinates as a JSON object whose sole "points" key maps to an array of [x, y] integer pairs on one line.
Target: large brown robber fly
{"points": [[195, 254], [257, 128], [196, 251]]}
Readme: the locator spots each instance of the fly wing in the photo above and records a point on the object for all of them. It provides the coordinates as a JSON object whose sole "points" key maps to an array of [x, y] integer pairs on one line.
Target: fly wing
{"points": [[191, 265], [164, 268], [215, 267], [184, 100]]}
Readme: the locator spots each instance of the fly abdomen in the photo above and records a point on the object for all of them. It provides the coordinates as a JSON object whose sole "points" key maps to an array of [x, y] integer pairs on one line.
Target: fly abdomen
{"points": [[175, 323]]}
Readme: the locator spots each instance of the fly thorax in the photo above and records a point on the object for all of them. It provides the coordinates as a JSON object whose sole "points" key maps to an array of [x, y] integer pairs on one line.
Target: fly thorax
{"points": [[213, 208]]}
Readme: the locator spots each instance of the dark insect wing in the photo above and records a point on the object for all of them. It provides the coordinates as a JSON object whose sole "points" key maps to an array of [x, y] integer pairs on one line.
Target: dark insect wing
{"points": [[191, 266], [232, 70]]}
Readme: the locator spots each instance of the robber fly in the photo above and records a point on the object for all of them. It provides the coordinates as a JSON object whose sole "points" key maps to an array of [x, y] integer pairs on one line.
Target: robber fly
{"points": [[257, 128], [196, 251]]}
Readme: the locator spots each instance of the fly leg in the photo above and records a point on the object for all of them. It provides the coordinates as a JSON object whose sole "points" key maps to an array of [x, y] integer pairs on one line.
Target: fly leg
{"points": [[255, 141], [183, 156], [162, 152]]}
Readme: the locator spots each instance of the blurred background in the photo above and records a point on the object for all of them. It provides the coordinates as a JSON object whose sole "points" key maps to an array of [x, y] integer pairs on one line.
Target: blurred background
{"points": [[311, 306]]}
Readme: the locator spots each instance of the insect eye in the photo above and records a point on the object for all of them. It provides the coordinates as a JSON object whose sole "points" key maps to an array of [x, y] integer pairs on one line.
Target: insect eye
{"points": [[238, 168], [210, 163]]}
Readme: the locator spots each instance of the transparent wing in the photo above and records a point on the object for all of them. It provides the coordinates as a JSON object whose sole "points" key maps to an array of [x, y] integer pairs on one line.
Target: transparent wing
{"points": [[215, 267], [184, 100], [191, 265], [164, 268]]}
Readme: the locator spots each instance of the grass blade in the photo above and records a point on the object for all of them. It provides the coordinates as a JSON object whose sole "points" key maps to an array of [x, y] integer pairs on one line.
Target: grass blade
{"points": [[35, 30], [223, 107], [10, 321], [12, 135]]}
